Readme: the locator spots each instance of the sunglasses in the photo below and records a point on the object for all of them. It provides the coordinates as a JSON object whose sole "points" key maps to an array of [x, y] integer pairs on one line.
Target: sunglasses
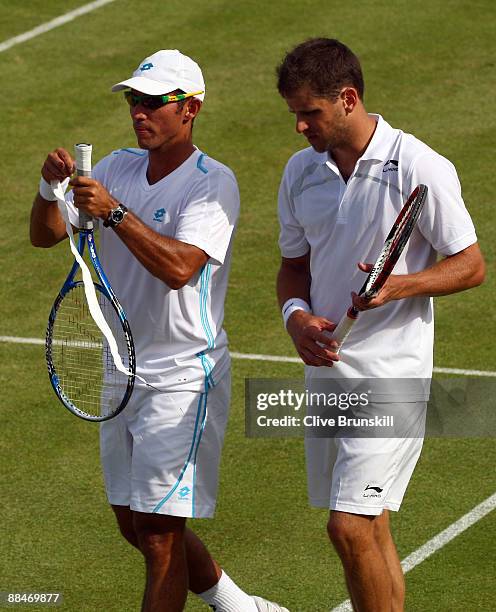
{"points": [[154, 102]]}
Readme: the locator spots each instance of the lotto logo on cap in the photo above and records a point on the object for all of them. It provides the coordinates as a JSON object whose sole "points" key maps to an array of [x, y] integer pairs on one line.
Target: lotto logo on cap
{"points": [[164, 72]]}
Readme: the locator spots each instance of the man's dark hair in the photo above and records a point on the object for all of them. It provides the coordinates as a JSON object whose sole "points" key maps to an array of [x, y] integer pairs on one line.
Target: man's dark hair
{"points": [[180, 103], [324, 64]]}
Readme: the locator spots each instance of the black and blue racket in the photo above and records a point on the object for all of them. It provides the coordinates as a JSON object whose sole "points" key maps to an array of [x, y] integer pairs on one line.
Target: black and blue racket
{"points": [[80, 362]]}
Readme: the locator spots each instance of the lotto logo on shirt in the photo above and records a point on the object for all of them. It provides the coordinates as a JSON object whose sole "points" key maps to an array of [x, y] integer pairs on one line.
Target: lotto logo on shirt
{"points": [[159, 215]]}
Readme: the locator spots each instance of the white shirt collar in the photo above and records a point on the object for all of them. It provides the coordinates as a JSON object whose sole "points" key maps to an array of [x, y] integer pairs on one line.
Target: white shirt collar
{"points": [[379, 146]]}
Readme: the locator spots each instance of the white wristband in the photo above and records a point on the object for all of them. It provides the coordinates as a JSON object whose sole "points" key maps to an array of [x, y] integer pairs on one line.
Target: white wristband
{"points": [[46, 191], [291, 305]]}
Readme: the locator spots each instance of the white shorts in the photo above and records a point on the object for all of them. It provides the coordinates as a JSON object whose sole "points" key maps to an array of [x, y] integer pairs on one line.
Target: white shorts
{"points": [[162, 453], [364, 475]]}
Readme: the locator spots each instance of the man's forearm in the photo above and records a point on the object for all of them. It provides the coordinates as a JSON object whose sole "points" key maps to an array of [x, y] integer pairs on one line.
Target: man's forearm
{"points": [[168, 259], [293, 280], [450, 275], [462, 271], [47, 227]]}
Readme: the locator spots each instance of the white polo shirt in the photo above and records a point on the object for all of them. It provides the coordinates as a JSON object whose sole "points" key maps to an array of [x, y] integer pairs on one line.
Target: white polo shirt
{"points": [[344, 223], [178, 334]]}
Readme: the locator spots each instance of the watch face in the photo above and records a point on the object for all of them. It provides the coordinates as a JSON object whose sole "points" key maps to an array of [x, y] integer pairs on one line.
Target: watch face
{"points": [[117, 215]]}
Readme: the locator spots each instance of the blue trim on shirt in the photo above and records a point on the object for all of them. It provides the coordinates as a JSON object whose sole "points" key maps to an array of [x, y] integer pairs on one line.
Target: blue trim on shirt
{"points": [[199, 164], [138, 152], [204, 287]]}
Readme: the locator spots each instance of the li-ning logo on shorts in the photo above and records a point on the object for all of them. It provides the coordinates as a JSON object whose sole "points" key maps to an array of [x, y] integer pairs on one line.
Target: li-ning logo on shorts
{"points": [[146, 66], [159, 215], [377, 490], [184, 492], [391, 166]]}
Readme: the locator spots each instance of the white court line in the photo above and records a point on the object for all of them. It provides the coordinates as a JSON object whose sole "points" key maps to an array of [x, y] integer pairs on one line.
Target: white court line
{"points": [[54, 23], [254, 357], [438, 541], [277, 358], [283, 359], [16, 340]]}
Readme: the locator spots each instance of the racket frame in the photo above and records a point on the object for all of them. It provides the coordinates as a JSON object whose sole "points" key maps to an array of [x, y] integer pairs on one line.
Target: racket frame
{"points": [[378, 275]]}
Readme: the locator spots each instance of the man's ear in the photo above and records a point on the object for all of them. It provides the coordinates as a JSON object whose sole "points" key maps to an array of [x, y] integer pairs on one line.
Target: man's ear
{"points": [[193, 107], [350, 98]]}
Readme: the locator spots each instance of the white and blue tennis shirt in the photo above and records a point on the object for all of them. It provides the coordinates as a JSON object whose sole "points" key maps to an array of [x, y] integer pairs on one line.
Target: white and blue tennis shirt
{"points": [[178, 334]]}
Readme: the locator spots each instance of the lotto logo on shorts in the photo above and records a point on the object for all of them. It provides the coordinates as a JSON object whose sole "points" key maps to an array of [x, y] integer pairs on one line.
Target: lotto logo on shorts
{"points": [[183, 493]]}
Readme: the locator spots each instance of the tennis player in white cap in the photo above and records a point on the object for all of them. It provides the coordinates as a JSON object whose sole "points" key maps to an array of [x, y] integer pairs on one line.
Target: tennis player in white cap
{"points": [[167, 213]]}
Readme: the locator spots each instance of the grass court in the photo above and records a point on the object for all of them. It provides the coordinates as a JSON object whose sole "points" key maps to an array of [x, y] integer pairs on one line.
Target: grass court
{"points": [[429, 69]]}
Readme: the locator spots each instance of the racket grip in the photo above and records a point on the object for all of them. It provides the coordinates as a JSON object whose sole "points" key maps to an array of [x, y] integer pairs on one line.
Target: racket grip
{"points": [[344, 327], [82, 153]]}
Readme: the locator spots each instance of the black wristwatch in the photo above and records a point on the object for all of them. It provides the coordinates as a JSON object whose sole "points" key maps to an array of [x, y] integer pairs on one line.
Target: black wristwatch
{"points": [[116, 216]]}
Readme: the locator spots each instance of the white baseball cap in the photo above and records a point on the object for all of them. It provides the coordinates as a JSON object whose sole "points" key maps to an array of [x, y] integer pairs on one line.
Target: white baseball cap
{"points": [[163, 72]]}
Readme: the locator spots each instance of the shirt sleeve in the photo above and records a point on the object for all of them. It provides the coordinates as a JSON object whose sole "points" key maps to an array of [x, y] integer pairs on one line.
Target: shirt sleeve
{"points": [[209, 215], [292, 241], [445, 221]]}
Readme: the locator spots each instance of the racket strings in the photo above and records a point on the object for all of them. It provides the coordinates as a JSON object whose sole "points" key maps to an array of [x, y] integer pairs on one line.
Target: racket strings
{"points": [[82, 358]]}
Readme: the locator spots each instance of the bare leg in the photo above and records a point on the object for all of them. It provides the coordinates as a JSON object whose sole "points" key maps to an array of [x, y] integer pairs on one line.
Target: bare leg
{"points": [[367, 575], [385, 542], [124, 516], [161, 540], [203, 571], [350, 591]]}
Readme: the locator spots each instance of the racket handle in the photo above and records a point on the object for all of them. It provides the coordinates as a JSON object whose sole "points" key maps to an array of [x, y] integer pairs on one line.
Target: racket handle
{"points": [[344, 327], [83, 168]]}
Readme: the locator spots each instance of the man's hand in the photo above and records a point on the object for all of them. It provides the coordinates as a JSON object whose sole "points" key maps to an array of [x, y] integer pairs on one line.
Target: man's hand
{"points": [[391, 290], [58, 166], [312, 338], [92, 197]]}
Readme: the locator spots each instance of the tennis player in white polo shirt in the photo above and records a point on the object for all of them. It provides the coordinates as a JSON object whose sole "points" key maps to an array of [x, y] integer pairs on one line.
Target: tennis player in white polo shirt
{"points": [[337, 201], [167, 215]]}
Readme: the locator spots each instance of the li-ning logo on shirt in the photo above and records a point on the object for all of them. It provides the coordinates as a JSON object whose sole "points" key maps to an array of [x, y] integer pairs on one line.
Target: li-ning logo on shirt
{"points": [[377, 490], [184, 492], [146, 66], [159, 215], [391, 166]]}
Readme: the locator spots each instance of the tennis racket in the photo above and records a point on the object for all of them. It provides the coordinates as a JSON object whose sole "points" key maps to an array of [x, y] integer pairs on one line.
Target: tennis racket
{"points": [[80, 365], [391, 251]]}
